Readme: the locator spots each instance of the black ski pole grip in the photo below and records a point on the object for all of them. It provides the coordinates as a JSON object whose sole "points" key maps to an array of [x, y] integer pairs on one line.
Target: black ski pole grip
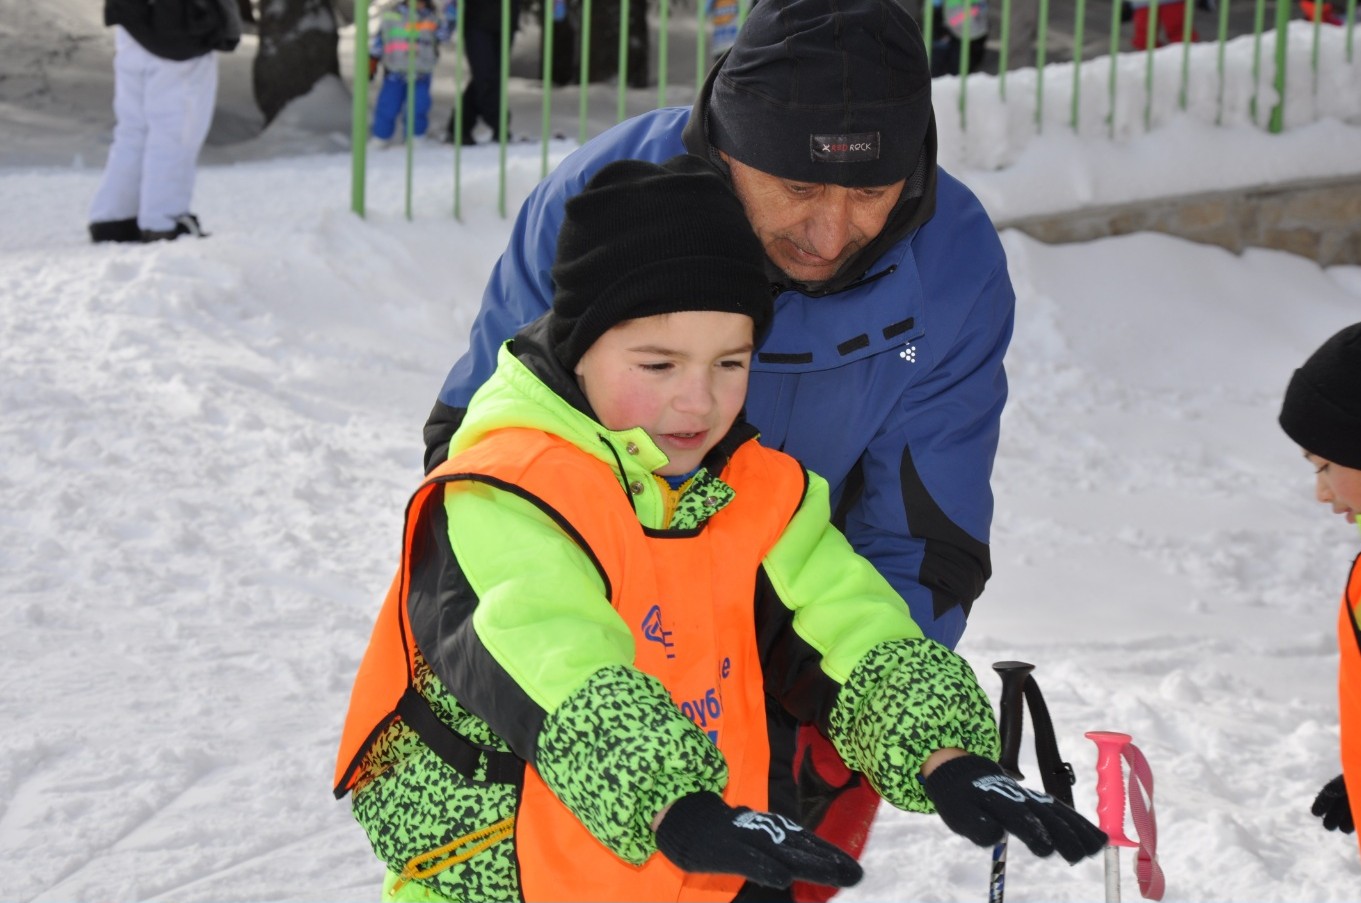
{"points": [[1014, 677]]}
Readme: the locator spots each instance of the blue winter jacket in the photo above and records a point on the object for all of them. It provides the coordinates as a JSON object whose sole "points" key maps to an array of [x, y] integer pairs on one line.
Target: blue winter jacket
{"points": [[890, 388]]}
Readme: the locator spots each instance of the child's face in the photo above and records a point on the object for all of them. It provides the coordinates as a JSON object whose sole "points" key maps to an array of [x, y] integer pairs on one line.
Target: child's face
{"points": [[682, 377], [1337, 486]]}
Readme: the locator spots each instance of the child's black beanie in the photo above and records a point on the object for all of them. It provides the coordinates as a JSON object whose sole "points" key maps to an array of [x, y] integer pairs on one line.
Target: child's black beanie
{"points": [[645, 238], [1322, 407]]}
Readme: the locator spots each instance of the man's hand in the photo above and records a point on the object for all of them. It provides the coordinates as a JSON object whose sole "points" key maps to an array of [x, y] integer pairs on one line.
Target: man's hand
{"points": [[701, 833], [976, 799]]}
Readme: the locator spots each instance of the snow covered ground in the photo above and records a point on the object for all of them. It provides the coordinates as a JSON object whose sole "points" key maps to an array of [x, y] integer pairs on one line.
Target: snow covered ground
{"points": [[207, 445]]}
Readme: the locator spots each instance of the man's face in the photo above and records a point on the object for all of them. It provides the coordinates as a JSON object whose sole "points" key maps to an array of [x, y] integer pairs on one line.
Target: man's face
{"points": [[809, 229], [682, 377], [1337, 486]]}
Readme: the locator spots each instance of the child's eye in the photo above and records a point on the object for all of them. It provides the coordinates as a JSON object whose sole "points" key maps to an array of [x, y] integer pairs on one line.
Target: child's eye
{"points": [[733, 365], [656, 368], [1321, 468]]}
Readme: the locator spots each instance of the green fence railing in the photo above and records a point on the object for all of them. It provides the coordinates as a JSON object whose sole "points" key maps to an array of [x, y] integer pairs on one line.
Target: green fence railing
{"points": [[1056, 32]]}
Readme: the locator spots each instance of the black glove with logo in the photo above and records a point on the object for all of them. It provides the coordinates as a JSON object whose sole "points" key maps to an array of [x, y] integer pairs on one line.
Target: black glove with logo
{"points": [[701, 833], [1333, 807], [976, 799]]}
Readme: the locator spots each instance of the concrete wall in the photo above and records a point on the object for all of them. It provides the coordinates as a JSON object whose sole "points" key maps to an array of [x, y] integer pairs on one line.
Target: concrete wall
{"points": [[1319, 219]]}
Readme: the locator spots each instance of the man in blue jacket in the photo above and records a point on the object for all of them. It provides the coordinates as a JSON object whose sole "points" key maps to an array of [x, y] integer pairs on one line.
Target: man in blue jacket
{"points": [[882, 370]]}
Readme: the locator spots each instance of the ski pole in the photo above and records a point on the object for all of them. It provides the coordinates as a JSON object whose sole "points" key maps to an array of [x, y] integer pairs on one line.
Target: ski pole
{"points": [[1014, 676], [1110, 802]]}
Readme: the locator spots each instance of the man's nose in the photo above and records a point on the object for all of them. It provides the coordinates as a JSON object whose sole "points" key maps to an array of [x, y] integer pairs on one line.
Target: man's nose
{"points": [[829, 229]]}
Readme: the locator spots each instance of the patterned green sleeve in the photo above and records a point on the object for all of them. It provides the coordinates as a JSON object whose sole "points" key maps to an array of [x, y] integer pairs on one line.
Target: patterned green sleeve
{"points": [[618, 750], [903, 701]]}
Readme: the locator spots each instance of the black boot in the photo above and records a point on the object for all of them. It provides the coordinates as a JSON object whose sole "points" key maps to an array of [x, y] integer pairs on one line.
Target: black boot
{"points": [[185, 224], [115, 230]]}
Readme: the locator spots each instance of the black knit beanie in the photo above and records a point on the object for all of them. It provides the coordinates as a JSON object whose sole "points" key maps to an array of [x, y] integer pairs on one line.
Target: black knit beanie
{"points": [[830, 91], [1322, 407], [645, 238]]}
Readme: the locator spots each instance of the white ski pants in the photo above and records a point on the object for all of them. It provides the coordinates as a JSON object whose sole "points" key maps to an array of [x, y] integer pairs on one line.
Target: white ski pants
{"points": [[163, 110]]}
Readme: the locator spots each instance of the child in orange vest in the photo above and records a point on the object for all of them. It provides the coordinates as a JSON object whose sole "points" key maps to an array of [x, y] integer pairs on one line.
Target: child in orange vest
{"points": [[610, 580], [1322, 413]]}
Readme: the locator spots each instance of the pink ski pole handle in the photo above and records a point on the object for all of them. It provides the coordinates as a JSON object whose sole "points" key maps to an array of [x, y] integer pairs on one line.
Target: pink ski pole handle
{"points": [[1110, 784]]}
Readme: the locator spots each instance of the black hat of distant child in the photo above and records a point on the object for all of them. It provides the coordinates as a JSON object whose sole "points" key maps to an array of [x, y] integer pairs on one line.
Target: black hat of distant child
{"points": [[645, 238], [1322, 407], [829, 91]]}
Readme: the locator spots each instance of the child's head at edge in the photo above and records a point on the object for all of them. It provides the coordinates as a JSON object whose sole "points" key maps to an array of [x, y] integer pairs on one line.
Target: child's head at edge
{"points": [[660, 295], [1322, 414]]}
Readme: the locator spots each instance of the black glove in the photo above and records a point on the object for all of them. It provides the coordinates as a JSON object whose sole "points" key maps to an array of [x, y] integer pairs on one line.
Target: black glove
{"points": [[975, 798], [701, 833], [1332, 806]]}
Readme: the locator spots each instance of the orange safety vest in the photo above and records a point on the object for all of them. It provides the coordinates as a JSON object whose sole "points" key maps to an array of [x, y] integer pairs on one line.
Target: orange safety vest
{"points": [[1349, 688], [705, 654]]}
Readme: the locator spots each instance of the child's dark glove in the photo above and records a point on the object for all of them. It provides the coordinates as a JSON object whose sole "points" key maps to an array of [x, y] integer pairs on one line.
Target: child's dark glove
{"points": [[976, 799], [1333, 807], [701, 833]]}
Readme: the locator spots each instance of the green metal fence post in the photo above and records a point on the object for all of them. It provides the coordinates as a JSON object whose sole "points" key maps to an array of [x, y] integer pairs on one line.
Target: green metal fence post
{"points": [[1151, 44], [1351, 26], [359, 110], [928, 20], [1313, 55], [1258, 24], [965, 51], [701, 35], [547, 126], [1187, 18], [1282, 35], [1115, 71], [1003, 50], [1079, 26], [1041, 43], [663, 42], [503, 120], [621, 108], [458, 113], [1223, 38], [584, 82], [409, 120]]}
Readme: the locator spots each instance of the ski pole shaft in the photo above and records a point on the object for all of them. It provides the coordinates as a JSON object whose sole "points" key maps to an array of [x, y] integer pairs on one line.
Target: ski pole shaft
{"points": [[1014, 676], [1112, 864]]}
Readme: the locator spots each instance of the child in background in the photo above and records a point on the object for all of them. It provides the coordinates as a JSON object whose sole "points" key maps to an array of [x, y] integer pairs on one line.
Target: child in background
{"points": [[610, 579], [1322, 413], [1168, 28], [406, 39]]}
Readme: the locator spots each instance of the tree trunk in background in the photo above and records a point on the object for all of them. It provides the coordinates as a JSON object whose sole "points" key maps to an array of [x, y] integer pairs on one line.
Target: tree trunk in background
{"points": [[299, 45]]}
